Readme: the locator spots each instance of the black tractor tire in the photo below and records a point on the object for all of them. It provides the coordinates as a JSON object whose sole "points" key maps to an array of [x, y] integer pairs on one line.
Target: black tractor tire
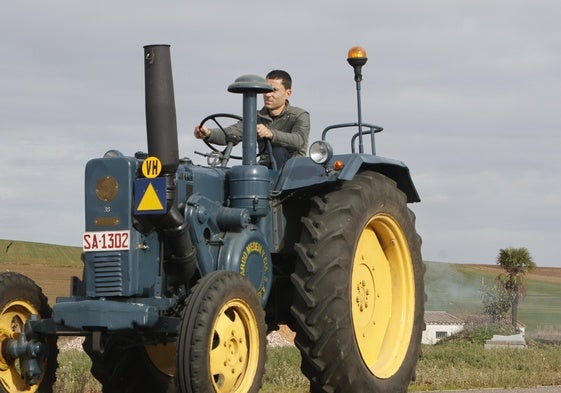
{"points": [[126, 365], [20, 298], [222, 339], [359, 291]]}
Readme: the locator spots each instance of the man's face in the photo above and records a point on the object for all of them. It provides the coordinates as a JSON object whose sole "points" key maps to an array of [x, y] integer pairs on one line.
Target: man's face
{"points": [[276, 99]]}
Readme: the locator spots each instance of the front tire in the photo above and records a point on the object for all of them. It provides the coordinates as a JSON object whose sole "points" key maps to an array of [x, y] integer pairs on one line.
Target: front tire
{"points": [[128, 365], [20, 298], [359, 298], [222, 339]]}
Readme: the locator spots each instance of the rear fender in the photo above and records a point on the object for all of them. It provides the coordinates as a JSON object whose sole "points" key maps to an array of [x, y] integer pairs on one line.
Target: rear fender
{"points": [[302, 172], [393, 169]]}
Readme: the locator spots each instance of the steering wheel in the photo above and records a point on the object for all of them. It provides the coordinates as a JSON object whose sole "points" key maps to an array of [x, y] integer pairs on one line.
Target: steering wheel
{"points": [[231, 140]]}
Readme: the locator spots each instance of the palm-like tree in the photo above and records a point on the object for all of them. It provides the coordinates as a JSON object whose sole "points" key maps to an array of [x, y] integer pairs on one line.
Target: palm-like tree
{"points": [[516, 262]]}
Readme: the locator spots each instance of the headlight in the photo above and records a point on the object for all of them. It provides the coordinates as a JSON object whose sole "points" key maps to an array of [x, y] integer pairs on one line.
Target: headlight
{"points": [[321, 152]]}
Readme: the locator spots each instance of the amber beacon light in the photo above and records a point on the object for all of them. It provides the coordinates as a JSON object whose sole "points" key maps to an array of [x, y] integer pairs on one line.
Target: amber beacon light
{"points": [[357, 58]]}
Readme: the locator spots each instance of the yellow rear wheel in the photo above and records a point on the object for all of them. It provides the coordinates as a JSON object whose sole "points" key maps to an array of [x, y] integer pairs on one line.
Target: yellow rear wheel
{"points": [[359, 295], [20, 298], [163, 357], [382, 295], [127, 363], [12, 318]]}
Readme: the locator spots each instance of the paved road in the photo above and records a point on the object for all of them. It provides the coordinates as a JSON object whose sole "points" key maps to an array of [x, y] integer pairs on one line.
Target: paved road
{"points": [[544, 389]]}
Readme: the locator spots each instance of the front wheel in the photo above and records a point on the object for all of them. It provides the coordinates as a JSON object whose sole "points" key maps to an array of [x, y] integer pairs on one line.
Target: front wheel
{"points": [[359, 296], [222, 339], [128, 365], [20, 298]]}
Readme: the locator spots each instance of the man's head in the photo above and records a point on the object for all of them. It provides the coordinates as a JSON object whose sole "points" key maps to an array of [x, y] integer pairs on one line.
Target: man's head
{"points": [[281, 82], [285, 78]]}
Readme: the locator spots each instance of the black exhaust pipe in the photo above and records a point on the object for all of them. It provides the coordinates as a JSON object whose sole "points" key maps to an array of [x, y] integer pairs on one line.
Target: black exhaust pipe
{"points": [[161, 130], [161, 123]]}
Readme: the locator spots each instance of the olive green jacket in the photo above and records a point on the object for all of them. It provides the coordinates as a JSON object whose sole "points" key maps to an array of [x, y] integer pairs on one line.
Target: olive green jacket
{"points": [[291, 130]]}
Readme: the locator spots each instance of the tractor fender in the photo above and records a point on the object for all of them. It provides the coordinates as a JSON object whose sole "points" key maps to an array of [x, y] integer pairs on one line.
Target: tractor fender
{"points": [[302, 172], [247, 253], [393, 169]]}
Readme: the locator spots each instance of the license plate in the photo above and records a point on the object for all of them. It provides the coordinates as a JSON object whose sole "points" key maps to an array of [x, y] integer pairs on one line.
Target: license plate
{"points": [[106, 241]]}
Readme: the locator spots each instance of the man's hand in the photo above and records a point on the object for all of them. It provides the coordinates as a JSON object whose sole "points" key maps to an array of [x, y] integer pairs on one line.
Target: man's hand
{"points": [[263, 132], [201, 132]]}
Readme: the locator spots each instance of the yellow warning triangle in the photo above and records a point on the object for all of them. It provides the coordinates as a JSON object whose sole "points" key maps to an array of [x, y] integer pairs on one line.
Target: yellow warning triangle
{"points": [[150, 200]]}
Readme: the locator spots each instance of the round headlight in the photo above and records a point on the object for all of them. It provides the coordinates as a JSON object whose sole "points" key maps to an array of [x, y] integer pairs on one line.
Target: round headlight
{"points": [[106, 188], [321, 152]]}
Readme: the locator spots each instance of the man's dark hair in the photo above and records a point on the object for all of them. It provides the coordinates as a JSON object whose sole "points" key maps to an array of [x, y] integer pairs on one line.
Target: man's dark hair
{"points": [[283, 75]]}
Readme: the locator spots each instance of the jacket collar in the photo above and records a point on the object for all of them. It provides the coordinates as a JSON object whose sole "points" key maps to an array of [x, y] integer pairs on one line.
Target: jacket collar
{"points": [[264, 112]]}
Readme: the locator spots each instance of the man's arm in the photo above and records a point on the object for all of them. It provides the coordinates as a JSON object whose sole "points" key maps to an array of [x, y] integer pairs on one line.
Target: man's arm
{"points": [[295, 139], [216, 136]]}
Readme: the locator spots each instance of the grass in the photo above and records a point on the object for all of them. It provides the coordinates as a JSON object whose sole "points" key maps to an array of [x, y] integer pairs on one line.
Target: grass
{"points": [[470, 366], [73, 374], [30, 253], [452, 365], [541, 306], [459, 362], [462, 361], [283, 371]]}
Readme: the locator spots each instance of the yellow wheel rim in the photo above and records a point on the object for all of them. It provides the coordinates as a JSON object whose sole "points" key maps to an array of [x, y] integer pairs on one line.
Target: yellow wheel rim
{"points": [[234, 348], [382, 295], [163, 357], [12, 318]]}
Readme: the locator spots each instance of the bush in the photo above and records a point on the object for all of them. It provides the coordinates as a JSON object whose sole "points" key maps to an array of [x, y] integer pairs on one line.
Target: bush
{"points": [[496, 300], [478, 333]]}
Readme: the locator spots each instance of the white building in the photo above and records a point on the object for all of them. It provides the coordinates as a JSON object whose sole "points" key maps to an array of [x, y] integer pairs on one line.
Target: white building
{"points": [[440, 325]]}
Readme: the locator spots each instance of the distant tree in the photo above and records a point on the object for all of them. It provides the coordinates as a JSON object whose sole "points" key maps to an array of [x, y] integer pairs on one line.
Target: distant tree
{"points": [[496, 301], [516, 262]]}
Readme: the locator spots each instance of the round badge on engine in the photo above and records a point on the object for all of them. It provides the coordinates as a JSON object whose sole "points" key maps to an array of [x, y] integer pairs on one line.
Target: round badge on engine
{"points": [[246, 252], [254, 264]]}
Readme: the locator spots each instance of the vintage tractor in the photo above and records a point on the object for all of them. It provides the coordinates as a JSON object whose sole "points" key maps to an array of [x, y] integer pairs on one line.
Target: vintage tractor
{"points": [[188, 267]]}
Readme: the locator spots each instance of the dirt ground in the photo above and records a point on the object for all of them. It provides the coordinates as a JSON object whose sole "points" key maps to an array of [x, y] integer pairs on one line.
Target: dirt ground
{"points": [[547, 274], [55, 282]]}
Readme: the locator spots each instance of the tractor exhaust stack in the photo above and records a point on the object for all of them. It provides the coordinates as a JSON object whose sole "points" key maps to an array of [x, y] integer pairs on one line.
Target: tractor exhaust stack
{"points": [[161, 130]]}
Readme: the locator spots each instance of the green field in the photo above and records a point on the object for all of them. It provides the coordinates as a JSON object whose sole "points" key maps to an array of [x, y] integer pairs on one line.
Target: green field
{"points": [[449, 287], [456, 289], [29, 253]]}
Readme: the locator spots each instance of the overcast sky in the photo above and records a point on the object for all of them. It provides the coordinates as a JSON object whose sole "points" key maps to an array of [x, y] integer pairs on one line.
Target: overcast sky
{"points": [[469, 94]]}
